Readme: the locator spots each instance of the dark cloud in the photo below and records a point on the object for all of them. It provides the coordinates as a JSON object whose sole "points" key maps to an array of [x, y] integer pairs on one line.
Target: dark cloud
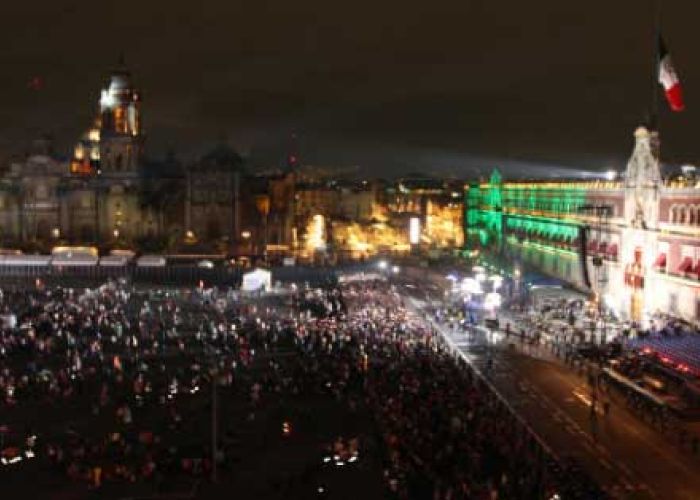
{"points": [[390, 86]]}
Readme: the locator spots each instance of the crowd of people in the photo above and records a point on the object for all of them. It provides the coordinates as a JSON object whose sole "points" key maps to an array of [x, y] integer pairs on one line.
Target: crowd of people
{"points": [[96, 374], [445, 435], [107, 385]]}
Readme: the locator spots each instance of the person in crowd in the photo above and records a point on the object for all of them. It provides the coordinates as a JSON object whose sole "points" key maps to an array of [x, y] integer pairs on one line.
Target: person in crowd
{"points": [[125, 359]]}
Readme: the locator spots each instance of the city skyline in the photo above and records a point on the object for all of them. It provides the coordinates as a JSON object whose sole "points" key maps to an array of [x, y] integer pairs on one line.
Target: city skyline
{"points": [[458, 90]]}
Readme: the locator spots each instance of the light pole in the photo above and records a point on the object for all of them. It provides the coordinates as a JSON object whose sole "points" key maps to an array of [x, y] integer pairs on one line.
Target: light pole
{"points": [[214, 372], [246, 238], [214, 423]]}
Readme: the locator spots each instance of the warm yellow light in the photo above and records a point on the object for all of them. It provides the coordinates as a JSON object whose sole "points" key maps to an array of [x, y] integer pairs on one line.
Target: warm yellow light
{"points": [[443, 225], [316, 233], [94, 134], [76, 250]]}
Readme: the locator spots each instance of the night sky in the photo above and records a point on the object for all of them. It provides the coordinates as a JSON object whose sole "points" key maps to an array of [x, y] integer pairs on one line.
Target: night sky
{"points": [[452, 86]]}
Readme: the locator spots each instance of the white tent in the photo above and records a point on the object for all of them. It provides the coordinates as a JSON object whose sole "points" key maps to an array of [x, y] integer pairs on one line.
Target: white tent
{"points": [[257, 279]]}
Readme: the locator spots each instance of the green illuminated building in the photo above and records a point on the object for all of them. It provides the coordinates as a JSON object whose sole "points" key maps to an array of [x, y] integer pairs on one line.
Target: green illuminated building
{"points": [[540, 223]]}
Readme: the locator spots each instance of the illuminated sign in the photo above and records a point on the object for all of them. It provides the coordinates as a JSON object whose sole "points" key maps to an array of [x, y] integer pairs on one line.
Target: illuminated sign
{"points": [[414, 230]]}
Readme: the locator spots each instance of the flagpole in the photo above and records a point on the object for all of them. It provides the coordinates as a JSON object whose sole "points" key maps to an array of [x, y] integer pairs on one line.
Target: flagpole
{"points": [[656, 35]]}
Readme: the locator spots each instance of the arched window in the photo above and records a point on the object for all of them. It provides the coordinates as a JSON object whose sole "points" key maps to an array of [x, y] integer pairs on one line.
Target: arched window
{"points": [[672, 214], [683, 214], [691, 215]]}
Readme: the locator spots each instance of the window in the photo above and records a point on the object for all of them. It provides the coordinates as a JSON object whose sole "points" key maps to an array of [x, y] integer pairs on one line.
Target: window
{"points": [[675, 214], [120, 122], [638, 256]]}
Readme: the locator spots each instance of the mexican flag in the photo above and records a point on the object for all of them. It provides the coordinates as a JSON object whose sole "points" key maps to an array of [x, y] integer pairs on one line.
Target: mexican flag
{"points": [[669, 79]]}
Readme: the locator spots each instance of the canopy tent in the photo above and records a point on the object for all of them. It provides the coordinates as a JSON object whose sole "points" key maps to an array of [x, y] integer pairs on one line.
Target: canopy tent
{"points": [[257, 279]]}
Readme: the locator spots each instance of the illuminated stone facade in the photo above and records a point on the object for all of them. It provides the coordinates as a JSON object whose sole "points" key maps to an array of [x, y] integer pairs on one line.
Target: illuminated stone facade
{"points": [[235, 211], [639, 238], [107, 194], [98, 196], [369, 217], [436, 203]]}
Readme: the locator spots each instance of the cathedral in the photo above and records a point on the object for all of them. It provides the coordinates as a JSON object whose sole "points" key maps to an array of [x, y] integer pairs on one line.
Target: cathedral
{"points": [[109, 195]]}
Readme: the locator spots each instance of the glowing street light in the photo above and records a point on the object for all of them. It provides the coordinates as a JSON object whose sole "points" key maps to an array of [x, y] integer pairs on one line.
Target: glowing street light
{"points": [[472, 286], [395, 269], [492, 300], [382, 264]]}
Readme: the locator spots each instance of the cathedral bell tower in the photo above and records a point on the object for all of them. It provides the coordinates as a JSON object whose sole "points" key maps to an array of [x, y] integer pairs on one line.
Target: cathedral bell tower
{"points": [[120, 123]]}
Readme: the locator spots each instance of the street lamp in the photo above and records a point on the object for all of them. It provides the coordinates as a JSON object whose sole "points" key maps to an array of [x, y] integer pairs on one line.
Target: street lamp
{"points": [[492, 301], [395, 269], [382, 264]]}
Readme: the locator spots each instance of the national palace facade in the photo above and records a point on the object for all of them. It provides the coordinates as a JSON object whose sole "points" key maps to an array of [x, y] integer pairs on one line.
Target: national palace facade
{"points": [[635, 242]]}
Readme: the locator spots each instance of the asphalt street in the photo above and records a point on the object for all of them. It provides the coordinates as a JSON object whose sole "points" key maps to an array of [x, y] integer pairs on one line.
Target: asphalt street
{"points": [[627, 455]]}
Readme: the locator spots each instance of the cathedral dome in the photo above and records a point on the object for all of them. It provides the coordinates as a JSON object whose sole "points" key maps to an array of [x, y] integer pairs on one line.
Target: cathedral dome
{"points": [[223, 156]]}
